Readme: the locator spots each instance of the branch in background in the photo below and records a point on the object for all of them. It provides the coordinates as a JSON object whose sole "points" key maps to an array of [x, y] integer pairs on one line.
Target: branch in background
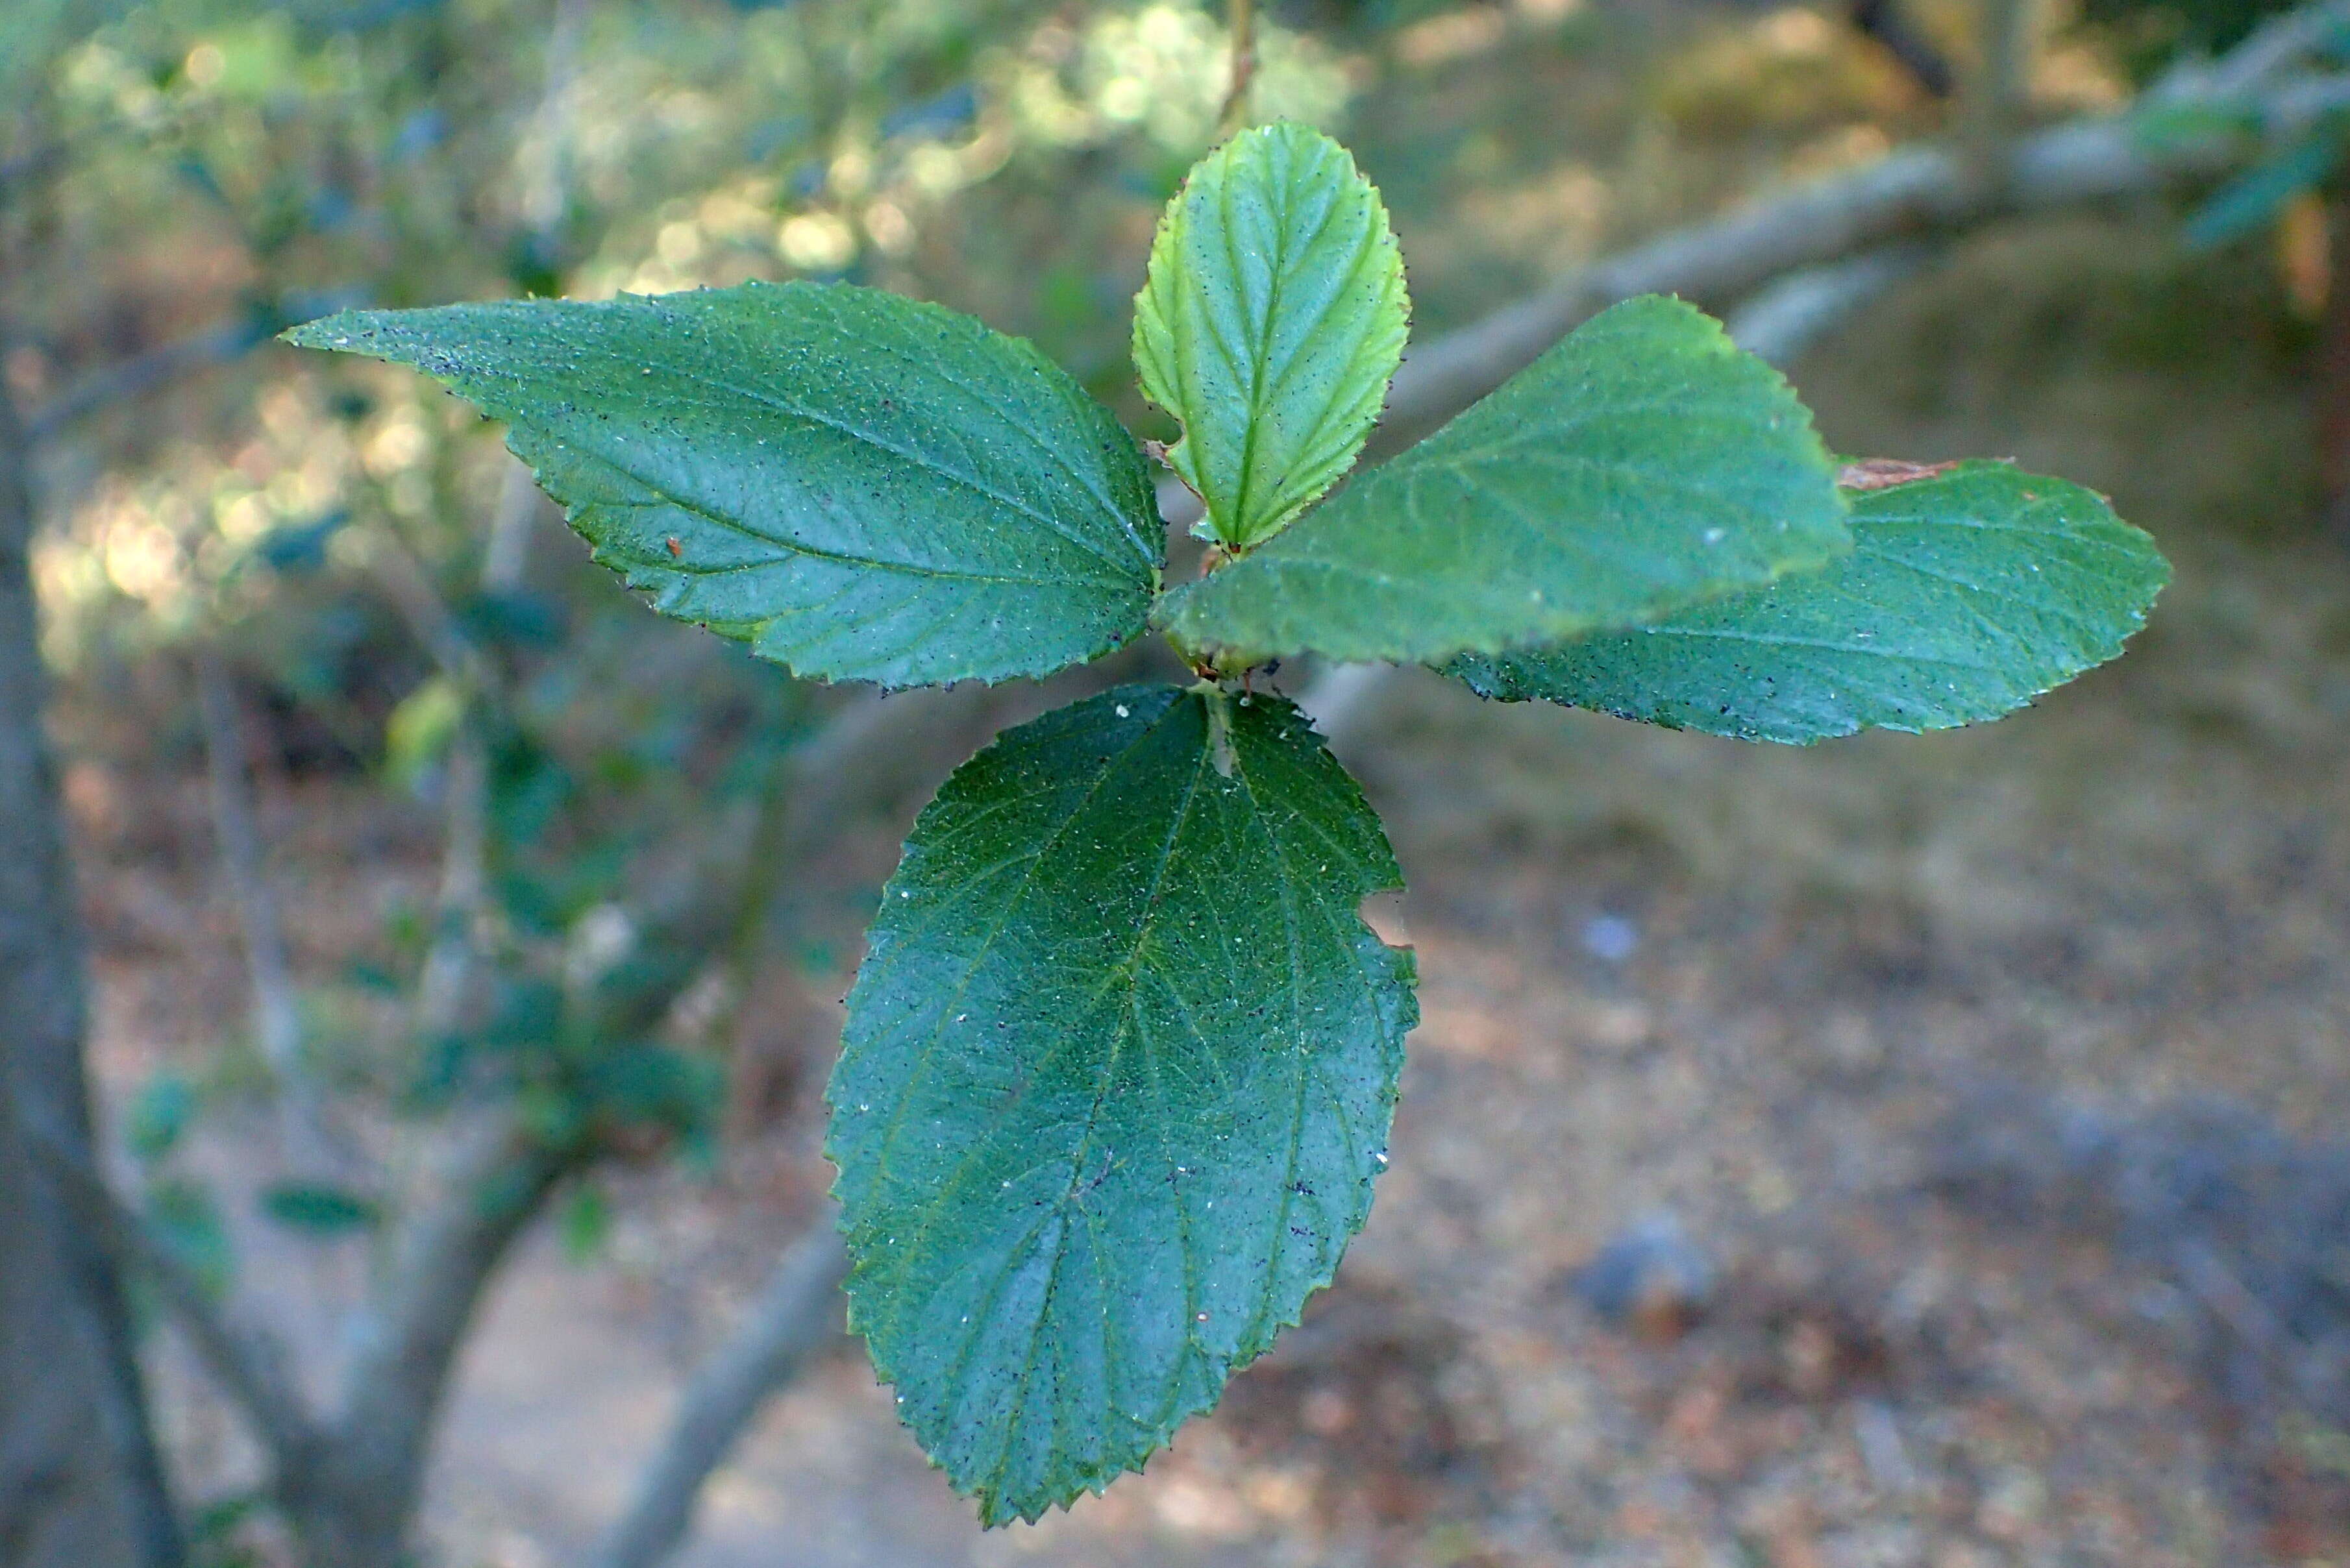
{"points": [[216, 344], [797, 1316], [506, 560], [875, 751], [451, 961], [547, 178], [2284, 41], [1999, 93], [1779, 322], [43, 1033], [277, 1017], [1234, 117], [369, 1472], [1909, 193], [1337, 698], [409, 1340], [246, 1361], [1891, 25], [409, 586]]}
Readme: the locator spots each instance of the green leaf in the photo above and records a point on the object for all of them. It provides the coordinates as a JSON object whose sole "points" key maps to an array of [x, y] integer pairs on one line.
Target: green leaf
{"points": [[1117, 1079], [1643, 464], [861, 486], [1270, 324], [318, 1209], [1966, 594], [586, 1223], [418, 732], [187, 1223], [2255, 197], [158, 1116]]}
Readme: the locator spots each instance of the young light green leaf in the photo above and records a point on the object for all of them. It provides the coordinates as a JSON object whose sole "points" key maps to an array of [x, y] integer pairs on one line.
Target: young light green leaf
{"points": [[1644, 465], [1966, 594], [861, 486], [1117, 1076], [1270, 323]]}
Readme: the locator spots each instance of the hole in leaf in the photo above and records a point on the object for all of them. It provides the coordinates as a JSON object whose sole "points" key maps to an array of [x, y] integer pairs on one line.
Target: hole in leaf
{"points": [[1384, 912]]}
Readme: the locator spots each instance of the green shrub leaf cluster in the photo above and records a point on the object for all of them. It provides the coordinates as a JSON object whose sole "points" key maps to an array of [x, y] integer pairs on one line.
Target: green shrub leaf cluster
{"points": [[1121, 1059], [1641, 464]]}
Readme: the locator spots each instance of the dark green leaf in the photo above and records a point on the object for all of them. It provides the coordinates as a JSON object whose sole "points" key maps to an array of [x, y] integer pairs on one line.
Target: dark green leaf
{"points": [[317, 1208], [2255, 197], [586, 1223], [301, 547], [652, 1086], [187, 1223], [861, 486], [1117, 1076], [159, 1115], [1270, 324], [1966, 596], [1643, 464]]}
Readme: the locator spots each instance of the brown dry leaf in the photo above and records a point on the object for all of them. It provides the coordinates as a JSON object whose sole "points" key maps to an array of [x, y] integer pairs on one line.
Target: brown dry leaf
{"points": [[1885, 472]]}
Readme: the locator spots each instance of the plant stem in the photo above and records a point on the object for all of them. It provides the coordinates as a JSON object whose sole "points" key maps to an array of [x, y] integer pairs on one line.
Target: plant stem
{"points": [[1999, 93], [276, 1010], [1236, 101]]}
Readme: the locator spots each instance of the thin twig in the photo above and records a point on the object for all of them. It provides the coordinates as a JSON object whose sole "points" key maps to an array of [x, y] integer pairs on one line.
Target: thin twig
{"points": [[409, 586], [1778, 322], [407, 1342], [216, 344], [1234, 118], [506, 560], [547, 175], [1914, 191], [277, 1017], [2283, 42], [465, 852], [1997, 93], [451, 959], [762, 864]]}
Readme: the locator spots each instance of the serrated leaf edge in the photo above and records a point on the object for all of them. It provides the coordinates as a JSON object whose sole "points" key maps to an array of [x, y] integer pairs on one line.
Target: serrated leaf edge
{"points": [[2133, 621], [333, 333], [1407, 974], [1160, 272], [1172, 604]]}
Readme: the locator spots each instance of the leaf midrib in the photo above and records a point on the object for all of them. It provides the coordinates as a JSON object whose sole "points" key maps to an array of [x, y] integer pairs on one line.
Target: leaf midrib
{"points": [[913, 457], [839, 557]]}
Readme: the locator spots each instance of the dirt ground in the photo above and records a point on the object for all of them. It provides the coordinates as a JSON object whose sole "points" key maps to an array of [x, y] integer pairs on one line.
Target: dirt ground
{"points": [[1904, 1151]]}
